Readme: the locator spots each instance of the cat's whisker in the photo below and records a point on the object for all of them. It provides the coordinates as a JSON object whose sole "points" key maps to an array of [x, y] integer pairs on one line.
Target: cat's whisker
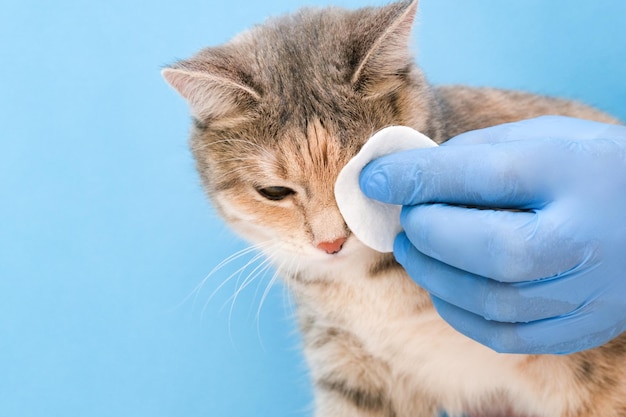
{"points": [[268, 287], [258, 271], [271, 257], [288, 288], [255, 273], [237, 255], [236, 273], [287, 268], [219, 266], [270, 284], [196, 290]]}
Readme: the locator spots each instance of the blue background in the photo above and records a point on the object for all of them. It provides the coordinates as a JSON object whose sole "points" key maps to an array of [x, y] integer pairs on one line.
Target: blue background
{"points": [[104, 229]]}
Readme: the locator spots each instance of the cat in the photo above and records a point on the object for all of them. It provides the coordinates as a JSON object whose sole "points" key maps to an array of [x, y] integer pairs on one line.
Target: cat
{"points": [[277, 112]]}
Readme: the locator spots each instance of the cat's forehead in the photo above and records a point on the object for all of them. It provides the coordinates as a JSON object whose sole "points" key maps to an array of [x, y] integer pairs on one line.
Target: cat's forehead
{"points": [[300, 52], [311, 150], [315, 152]]}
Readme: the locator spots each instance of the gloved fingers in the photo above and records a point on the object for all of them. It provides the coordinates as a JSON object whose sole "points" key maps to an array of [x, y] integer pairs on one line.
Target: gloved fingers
{"points": [[492, 300], [507, 175], [502, 245], [561, 335], [539, 128]]}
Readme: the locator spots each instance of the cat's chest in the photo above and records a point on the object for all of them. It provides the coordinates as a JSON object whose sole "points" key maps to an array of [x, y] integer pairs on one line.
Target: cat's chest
{"points": [[374, 304]]}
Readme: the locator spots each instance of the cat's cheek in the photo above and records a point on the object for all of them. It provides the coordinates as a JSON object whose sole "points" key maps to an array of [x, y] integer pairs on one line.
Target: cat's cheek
{"points": [[256, 221]]}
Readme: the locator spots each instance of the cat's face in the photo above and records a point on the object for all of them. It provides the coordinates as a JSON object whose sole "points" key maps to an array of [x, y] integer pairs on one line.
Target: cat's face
{"points": [[280, 110], [278, 191]]}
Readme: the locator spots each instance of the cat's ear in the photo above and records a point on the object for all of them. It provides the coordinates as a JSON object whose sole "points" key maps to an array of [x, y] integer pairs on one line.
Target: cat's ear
{"points": [[387, 55], [213, 93]]}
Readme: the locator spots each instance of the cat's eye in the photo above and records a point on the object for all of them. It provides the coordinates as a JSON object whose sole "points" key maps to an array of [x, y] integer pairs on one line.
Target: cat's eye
{"points": [[275, 193]]}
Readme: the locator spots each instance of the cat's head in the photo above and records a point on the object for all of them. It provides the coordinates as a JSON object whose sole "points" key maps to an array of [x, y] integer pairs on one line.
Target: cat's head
{"points": [[281, 108]]}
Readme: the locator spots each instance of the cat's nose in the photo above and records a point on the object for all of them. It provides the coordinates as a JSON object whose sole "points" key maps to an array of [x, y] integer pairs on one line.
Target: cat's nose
{"points": [[332, 247]]}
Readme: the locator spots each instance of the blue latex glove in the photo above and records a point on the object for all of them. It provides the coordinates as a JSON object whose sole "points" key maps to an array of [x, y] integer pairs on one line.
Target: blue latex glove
{"points": [[549, 279]]}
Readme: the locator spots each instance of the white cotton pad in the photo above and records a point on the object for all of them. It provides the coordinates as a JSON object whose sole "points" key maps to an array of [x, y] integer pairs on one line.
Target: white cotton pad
{"points": [[374, 223]]}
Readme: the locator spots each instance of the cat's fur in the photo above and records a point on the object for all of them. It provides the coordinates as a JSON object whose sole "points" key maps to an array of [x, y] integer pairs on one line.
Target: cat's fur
{"points": [[287, 104]]}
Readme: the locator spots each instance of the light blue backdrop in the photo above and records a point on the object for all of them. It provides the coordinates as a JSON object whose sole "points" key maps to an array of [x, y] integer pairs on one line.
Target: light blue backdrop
{"points": [[105, 232]]}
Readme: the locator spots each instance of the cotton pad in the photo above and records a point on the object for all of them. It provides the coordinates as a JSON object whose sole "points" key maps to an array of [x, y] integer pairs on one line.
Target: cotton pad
{"points": [[374, 223]]}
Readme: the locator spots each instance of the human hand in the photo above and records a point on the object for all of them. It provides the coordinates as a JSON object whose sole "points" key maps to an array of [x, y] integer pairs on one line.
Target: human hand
{"points": [[548, 278]]}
